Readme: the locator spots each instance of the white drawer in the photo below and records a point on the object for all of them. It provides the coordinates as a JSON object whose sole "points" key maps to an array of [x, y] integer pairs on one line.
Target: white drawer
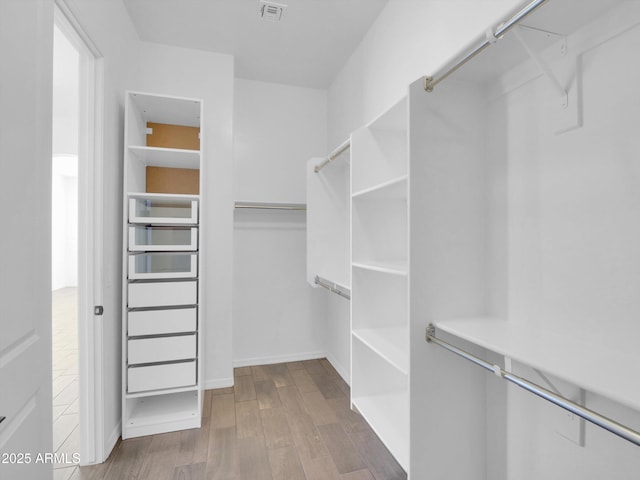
{"points": [[161, 349], [143, 238], [158, 322], [163, 210], [158, 377], [163, 265], [162, 294]]}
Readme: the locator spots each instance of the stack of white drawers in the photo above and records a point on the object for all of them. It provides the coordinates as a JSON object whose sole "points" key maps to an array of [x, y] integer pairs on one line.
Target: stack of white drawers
{"points": [[162, 291]]}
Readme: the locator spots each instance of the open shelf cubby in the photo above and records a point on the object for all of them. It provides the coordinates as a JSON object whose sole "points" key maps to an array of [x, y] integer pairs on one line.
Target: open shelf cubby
{"points": [[381, 149], [162, 412], [380, 393], [379, 229]]}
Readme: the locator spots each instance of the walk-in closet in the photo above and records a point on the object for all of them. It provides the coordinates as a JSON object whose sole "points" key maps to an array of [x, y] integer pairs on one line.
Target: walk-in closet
{"points": [[364, 240]]}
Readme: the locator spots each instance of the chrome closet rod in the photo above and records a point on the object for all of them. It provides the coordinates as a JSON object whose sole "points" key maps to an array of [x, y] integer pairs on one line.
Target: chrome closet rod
{"points": [[333, 155], [491, 37], [271, 206], [594, 417], [333, 287]]}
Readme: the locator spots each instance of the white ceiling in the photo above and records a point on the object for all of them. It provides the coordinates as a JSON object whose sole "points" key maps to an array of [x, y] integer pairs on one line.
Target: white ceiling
{"points": [[307, 48]]}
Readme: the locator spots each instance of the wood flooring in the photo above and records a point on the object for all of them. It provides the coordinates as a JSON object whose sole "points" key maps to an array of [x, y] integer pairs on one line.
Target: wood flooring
{"points": [[290, 421]]}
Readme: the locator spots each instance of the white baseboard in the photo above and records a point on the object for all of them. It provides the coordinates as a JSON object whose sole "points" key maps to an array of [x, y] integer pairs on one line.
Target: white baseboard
{"points": [[218, 383], [112, 440], [295, 357], [343, 372]]}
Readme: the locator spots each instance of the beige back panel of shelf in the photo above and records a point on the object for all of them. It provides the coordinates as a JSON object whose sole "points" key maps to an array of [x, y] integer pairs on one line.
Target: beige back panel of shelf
{"points": [[173, 136], [173, 180]]}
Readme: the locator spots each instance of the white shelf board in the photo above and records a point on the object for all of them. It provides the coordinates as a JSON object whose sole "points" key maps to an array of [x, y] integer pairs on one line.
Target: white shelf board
{"points": [[396, 188], [394, 267], [167, 157], [151, 393], [596, 364], [168, 109], [164, 409], [395, 435], [162, 275], [390, 343], [163, 196], [563, 18]]}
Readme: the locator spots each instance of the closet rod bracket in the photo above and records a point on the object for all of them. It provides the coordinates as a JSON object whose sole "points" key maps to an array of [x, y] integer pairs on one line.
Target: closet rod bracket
{"points": [[431, 332], [428, 84]]}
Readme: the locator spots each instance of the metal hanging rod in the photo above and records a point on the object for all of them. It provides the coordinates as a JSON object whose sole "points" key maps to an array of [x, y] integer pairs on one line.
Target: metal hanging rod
{"points": [[333, 155], [271, 206], [490, 38], [583, 412], [333, 287]]}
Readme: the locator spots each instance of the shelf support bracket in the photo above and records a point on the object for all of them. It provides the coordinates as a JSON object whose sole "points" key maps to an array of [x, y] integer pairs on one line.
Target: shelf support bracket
{"points": [[560, 90], [569, 114]]}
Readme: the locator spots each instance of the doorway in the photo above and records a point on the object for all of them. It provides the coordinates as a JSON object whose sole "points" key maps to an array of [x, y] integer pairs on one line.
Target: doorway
{"points": [[64, 255], [76, 246]]}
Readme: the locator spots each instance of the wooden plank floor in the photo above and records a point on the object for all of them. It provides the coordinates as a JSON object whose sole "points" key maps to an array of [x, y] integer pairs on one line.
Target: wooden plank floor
{"points": [[289, 421]]}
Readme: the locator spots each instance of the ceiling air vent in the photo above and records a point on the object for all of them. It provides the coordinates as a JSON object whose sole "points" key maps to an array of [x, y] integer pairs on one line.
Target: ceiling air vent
{"points": [[271, 11]]}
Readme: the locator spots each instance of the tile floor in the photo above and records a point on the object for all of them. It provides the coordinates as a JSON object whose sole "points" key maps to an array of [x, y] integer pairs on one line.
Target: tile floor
{"points": [[66, 432]]}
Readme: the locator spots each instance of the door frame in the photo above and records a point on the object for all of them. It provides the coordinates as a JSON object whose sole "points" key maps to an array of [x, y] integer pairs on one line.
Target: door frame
{"points": [[90, 235]]}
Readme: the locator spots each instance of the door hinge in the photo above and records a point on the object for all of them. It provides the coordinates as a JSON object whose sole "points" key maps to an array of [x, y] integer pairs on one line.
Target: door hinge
{"points": [[98, 310]]}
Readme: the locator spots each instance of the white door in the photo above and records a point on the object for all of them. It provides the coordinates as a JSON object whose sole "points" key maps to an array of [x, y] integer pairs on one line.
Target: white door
{"points": [[26, 35]]}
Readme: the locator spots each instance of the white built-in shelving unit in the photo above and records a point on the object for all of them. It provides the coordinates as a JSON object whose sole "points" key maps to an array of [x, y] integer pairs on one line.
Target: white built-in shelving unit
{"points": [[380, 278], [506, 216], [162, 327], [523, 251]]}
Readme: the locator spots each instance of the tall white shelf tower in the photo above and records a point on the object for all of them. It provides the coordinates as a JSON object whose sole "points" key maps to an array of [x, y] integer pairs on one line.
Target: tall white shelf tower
{"points": [[162, 212]]}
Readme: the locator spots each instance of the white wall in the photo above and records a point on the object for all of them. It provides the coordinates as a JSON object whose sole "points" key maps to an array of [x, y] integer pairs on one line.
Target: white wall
{"points": [[329, 250], [64, 222], [338, 336], [277, 128], [207, 76], [277, 315], [410, 39], [65, 95]]}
